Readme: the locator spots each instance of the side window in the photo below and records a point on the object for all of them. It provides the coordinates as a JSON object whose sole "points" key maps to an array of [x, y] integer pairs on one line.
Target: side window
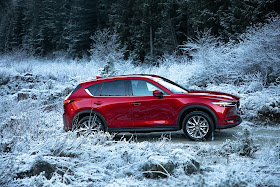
{"points": [[143, 88], [114, 88], [95, 89]]}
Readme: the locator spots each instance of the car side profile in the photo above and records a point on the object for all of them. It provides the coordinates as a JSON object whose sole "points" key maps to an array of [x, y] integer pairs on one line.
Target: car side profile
{"points": [[148, 103]]}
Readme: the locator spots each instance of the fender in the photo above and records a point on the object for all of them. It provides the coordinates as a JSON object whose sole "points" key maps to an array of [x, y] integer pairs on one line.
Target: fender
{"points": [[91, 112], [197, 107]]}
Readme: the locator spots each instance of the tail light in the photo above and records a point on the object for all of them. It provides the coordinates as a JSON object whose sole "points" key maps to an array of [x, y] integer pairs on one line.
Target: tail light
{"points": [[68, 101]]}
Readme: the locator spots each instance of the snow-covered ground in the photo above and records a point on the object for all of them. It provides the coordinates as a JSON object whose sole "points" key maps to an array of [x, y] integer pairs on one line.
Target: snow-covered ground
{"points": [[35, 150], [32, 92]]}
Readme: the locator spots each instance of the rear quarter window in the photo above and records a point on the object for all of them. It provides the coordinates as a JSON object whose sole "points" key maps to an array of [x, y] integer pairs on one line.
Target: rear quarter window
{"points": [[77, 87], [95, 89]]}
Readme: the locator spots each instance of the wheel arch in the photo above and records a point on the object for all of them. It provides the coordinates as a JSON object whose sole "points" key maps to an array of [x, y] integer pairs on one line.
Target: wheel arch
{"points": [[192, 108], [85, 113]]}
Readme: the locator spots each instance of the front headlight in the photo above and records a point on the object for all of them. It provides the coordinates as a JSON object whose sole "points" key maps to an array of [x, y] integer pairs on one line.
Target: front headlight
{"points": [[224, 104]]}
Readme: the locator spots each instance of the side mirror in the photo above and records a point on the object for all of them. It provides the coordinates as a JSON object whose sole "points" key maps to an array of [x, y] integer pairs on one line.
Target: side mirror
{"points": [[158, 94]]}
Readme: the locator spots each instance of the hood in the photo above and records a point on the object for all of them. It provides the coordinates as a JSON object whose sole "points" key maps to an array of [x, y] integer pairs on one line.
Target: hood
{"points": [[218, 95]]}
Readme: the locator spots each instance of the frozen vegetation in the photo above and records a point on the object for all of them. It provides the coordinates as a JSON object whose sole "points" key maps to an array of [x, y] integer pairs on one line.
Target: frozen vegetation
{"points": [[35, 150]]}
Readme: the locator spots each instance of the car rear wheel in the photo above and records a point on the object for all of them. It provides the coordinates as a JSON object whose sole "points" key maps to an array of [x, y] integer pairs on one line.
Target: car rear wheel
{"points": [[198, 125], [88, 125]]}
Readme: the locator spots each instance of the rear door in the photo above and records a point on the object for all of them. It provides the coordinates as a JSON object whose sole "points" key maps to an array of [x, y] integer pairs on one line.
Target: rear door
{"points": [[148, 110], [111, 99]]}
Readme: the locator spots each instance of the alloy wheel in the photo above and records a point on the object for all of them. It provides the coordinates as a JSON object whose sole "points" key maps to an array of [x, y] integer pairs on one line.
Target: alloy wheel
{"points": [[88, 125], [197, 126]]}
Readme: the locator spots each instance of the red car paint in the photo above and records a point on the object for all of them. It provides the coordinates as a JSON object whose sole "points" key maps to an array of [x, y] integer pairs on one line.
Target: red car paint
{"points": [[153, 112]]}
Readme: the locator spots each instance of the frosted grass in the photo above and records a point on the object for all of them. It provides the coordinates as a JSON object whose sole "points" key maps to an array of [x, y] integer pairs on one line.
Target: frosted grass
{"points": [[32, 128]]}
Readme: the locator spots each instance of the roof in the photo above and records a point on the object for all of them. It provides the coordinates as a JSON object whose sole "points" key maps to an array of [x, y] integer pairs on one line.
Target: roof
{"points": [[119, 77]]}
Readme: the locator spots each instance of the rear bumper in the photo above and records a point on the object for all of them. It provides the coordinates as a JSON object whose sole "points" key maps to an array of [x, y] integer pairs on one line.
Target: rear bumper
{"points": [[237, 121]]}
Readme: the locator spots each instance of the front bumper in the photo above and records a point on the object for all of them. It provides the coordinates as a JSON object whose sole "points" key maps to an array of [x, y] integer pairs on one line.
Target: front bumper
{"points": [[238, 121]]}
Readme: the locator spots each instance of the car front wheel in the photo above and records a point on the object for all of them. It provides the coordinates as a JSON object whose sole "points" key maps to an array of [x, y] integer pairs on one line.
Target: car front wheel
{"points": [[198, 125]]}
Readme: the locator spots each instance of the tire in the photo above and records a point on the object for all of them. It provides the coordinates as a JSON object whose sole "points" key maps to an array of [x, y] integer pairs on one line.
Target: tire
{"points": [[198, 126], [88, 125]]}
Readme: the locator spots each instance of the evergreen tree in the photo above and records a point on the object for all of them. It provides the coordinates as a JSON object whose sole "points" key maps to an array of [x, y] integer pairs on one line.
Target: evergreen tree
{"points": [[236, 16], [82, 24], [122, 18], [7, 26], [165, 39], [146, 29]]}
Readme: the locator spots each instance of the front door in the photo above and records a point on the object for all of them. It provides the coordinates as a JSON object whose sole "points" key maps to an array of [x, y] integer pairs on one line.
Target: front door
{"points": [[148, 110]]}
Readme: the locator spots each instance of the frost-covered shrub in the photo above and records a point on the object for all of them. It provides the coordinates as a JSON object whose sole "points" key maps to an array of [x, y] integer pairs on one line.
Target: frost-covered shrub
{"points": [[17, 55], [206, 51], [158, 167], [7, 172], [244, 147], [105, 44], [247, 146], [233, 180], [163, 165], [40, 166], [277, 152], [25, 69], [109, 69], [270, 112], [4, 77], [69, 144], [256, 52]]}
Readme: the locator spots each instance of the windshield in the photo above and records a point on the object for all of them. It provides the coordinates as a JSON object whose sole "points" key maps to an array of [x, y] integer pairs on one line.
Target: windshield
{"points": [[170, 85]]}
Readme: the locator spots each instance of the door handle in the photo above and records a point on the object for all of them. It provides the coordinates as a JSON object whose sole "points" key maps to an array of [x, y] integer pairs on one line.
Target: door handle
{"points": [[98, 103], [136, 103]]}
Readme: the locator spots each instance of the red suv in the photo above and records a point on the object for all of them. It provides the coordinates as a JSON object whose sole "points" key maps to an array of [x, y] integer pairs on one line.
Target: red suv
{"points": [[146, 103]]}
